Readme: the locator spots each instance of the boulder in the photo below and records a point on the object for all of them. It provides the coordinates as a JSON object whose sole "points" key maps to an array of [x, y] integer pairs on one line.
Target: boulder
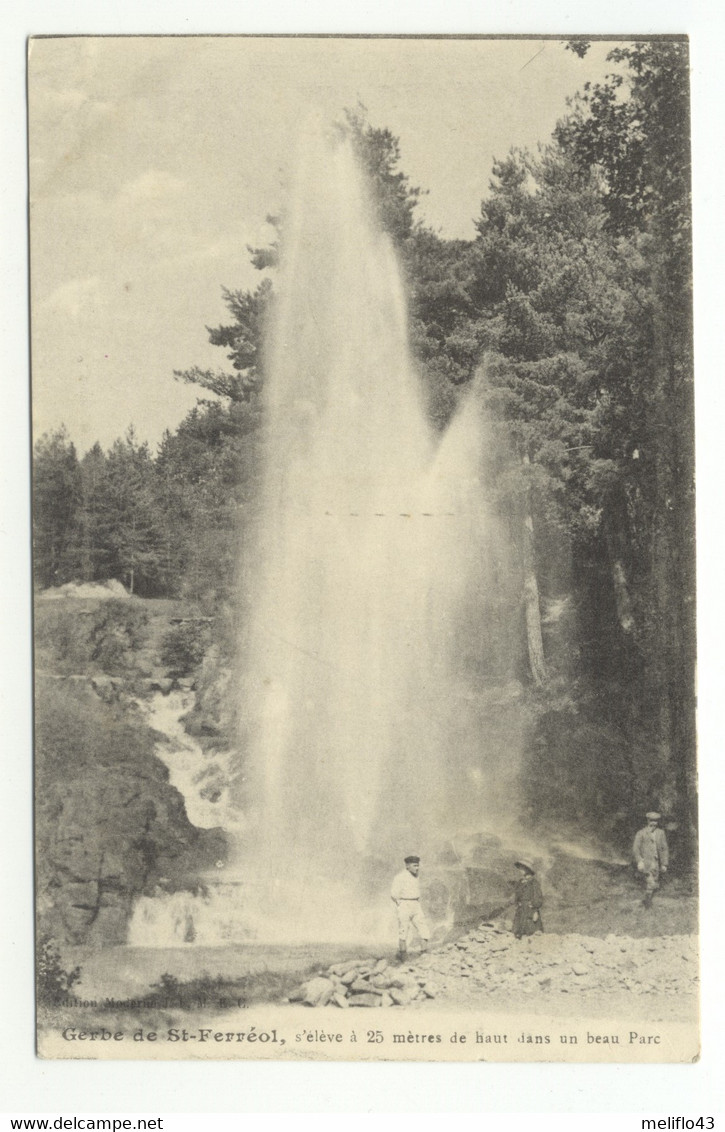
{"points": [[106, 687], [318, 991], [364, 986], [363, 1000], [381, 981]]}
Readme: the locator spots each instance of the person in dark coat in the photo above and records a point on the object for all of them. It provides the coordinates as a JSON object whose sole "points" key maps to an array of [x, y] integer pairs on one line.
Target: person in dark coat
{"points": [[528, 900]]}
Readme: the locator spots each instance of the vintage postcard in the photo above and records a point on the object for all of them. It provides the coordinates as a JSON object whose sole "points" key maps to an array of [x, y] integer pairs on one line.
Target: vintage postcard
{"points": [[363, 500]]}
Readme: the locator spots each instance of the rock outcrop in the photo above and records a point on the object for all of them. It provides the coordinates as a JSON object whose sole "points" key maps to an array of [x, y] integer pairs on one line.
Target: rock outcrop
{"points": [[109, 825]]}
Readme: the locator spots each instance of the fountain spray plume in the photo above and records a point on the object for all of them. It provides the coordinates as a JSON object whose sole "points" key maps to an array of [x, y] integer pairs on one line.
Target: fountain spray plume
{"points": [[362, 731]]}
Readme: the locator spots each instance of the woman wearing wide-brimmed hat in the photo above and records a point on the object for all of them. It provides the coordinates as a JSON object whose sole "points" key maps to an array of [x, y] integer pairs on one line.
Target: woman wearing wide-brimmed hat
{"points": [[528, 900]]}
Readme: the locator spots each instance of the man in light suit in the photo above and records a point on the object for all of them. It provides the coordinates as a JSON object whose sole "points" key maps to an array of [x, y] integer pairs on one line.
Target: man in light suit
{"points": [[651, 855]]}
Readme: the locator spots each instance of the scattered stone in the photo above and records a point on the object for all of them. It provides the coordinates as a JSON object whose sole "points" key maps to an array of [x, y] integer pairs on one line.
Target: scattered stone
{"points": [[363, 1000], [318, 991], [364, 986], [380, 981]]}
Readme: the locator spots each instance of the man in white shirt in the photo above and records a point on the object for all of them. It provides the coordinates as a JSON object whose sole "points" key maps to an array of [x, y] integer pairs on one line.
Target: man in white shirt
{"points": [[405, 894]]}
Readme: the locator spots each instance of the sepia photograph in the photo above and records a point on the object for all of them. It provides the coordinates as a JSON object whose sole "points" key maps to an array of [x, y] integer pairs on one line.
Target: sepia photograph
{"points": [[363, 548]]}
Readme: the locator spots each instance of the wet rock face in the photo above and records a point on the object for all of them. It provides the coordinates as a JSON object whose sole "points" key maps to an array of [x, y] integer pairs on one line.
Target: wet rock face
{"points": [[109, 825], [489, 959]]}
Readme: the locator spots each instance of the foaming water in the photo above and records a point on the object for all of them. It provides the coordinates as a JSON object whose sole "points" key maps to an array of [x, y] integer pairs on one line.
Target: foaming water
{"points": [[210, 915], [203, 779]]}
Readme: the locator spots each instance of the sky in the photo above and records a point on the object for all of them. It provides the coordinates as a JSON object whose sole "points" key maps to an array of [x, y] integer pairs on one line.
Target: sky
{"points": [[154, 163]]}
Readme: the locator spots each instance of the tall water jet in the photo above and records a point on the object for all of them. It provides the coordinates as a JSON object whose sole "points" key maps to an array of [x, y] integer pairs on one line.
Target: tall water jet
{"points": [[368, 584]]}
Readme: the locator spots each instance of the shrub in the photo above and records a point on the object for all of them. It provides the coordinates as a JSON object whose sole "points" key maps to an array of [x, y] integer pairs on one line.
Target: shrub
{"points": [[119, 629], [183, 647], [61, 638], [52, 980]]}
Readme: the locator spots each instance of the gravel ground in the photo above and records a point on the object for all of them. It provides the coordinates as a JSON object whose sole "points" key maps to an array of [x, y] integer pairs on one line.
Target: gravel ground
{"points": [[577, 973], [564, 974]]}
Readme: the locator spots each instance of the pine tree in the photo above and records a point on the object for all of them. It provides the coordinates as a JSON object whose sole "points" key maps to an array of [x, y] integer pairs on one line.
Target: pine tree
{"points": [[56, 493]]}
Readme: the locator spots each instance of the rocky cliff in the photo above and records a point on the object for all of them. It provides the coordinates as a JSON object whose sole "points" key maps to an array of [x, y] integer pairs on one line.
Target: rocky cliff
{"points": [[109, 826]]}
